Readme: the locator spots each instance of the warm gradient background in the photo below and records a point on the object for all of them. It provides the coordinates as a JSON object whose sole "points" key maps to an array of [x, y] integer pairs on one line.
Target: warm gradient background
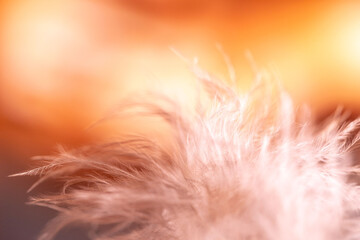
{"points": [[67, 63]]}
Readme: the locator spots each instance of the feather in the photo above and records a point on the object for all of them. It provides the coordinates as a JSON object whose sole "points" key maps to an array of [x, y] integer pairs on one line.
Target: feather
{"points": [[250, 166]]}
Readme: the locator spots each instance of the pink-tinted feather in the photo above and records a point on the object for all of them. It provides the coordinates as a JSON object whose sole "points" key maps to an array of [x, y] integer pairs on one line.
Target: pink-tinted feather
{"points": [[247, 167]]}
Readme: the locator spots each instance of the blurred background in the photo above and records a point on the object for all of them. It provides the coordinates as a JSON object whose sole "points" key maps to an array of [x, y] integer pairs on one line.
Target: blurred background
{"points": [[66, 63]]}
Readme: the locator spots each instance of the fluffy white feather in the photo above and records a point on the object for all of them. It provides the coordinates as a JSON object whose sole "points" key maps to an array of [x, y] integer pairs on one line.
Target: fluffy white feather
{"points": [[247, 167]]}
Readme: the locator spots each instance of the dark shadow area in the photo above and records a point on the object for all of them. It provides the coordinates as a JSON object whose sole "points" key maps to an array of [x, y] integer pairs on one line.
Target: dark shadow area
{"points": [[19, 220]]}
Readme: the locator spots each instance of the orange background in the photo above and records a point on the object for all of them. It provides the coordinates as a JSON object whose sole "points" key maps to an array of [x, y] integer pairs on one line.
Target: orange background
{"points": [[66, 63]]}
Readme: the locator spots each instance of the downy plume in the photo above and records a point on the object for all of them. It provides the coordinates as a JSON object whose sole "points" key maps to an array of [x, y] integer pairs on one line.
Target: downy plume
{"points": [[243, 166]]}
